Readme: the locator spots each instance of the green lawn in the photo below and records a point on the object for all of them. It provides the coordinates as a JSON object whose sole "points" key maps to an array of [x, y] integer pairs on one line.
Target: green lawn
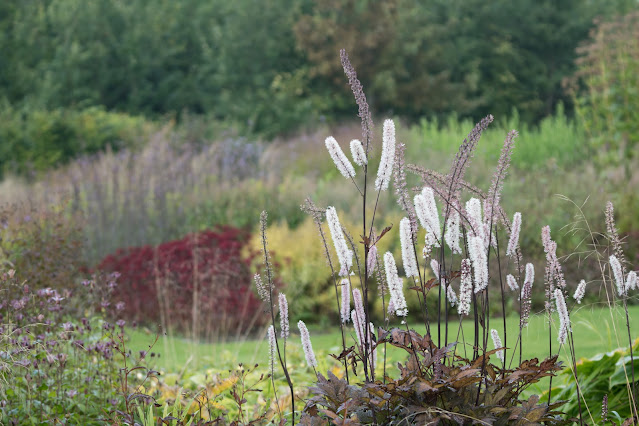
{"points": [[594, 329]]}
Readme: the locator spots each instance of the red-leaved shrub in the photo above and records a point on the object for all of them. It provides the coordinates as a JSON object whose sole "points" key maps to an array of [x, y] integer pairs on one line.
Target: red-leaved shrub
{"points": [[200, 283]]}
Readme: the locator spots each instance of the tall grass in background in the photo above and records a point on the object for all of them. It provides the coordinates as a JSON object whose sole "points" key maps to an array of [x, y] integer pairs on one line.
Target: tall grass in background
{"points": [[169, 188]]}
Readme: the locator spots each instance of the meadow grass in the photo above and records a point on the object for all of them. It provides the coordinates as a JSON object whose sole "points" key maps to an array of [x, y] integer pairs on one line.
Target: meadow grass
{"points": [[593, 327]]}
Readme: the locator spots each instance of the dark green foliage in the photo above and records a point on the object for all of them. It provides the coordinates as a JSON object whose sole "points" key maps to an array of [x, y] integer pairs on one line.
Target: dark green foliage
{"points": [[35, 140], [435, 386], [267, 66]]}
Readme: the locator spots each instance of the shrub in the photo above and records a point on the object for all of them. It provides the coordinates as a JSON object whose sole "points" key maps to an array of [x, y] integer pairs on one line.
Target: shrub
{"points": [[44, 247], [199, 283], [604, 87], [35, 140]]}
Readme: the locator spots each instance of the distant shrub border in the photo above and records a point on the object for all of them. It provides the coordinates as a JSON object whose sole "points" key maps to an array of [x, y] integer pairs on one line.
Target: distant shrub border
{"points": [[201, 280]]}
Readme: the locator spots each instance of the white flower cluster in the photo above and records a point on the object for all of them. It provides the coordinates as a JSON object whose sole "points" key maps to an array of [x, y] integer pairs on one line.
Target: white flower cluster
{"points": [[477, 252], [426, 211], [452, 232], [497, 343], [581, 291], [564, 318], [465, 289], [346, 299], [271, 346], [618, 273], [357, 150], [339, 158], [306, 345], [512, 282], [395, 286], [344, 254], [513, 242], [385, 170], [408, 250], [283, 316]]}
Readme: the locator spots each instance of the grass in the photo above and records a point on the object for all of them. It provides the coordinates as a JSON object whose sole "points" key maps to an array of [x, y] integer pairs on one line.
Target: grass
{"points": [[593, 327]]}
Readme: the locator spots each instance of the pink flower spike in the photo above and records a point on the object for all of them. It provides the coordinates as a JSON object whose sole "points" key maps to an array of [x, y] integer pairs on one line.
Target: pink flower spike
{"points": [[306, 345]]}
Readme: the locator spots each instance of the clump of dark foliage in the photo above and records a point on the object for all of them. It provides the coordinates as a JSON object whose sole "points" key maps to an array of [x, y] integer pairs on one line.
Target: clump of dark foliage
{"points": [[435, 386]]}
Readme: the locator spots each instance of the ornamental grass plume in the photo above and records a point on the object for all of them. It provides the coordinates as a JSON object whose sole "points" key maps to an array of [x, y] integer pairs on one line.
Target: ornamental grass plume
{"points": [[513, 241], [408, 248], [344, 254], [580, 292], [466, 288], [306, 345], [617, 271], [284, 328], [385, 171], [497, 343], [339, 158], [395, 286], [358, 153], [345, 285], [564, 318]]}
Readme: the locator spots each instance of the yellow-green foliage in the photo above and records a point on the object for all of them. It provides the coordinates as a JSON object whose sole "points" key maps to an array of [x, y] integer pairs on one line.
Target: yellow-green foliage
{"points": [[303, 268]]}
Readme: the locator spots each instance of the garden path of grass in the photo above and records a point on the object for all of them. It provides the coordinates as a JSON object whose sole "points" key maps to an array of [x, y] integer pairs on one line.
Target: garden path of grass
{"points": [[592, 327]]}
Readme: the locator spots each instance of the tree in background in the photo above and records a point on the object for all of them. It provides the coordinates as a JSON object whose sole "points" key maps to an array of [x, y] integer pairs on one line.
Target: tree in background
{"points": [[606, 87], [268, 66]]}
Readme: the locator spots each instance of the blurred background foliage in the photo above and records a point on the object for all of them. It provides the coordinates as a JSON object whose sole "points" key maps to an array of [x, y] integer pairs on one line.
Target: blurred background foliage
{"points": [[269, 67]]}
